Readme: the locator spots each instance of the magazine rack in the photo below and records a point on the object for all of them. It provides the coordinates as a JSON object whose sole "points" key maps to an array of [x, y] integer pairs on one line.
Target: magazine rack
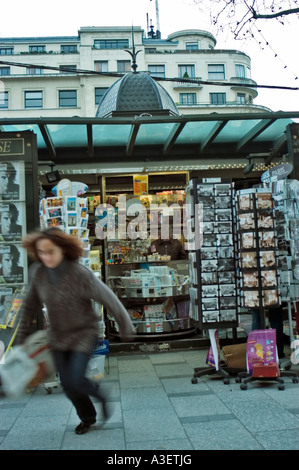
{"points": [[19, 195]]}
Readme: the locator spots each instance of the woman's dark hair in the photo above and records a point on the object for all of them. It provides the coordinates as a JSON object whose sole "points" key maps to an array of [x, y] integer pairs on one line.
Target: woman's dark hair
{"points": [[71, 246]]}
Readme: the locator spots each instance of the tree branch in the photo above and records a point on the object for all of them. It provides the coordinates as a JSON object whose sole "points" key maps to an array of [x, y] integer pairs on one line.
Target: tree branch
{"points": [[258, 16]]}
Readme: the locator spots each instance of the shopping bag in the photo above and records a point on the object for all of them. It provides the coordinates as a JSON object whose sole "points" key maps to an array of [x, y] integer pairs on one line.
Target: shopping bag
{"points": [[37, 347], [27, 365], [17, 372]]}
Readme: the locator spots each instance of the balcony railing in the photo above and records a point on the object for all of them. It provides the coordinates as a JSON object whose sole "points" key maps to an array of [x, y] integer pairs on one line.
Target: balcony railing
{"points": [[187, 82], [210, 105]]}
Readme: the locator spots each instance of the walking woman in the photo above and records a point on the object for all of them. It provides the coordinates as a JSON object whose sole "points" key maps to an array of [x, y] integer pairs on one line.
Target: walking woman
{"points": [[67, 289]]}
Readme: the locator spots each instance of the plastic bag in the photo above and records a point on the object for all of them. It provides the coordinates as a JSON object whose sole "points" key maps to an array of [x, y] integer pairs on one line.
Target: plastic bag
{"points": [[17, 372], [27, 365]]}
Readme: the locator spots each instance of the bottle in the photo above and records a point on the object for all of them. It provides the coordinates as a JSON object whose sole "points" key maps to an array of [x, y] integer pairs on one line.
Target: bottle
{"points": [[101, 329]]}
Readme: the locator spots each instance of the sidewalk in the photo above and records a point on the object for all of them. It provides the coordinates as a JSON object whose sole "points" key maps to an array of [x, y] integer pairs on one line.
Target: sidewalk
{"points": [[156, 407]]}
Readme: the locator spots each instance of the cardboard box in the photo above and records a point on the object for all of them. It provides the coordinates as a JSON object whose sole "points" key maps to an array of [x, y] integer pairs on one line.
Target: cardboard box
{"points": [[235, 356]]}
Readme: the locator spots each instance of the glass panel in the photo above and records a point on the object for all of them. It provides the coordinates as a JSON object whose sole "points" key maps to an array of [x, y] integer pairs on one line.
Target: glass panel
{"points": [[274, 131], [195, 132], [68, 135], [235, 130], [153, 134], [116, 134]]}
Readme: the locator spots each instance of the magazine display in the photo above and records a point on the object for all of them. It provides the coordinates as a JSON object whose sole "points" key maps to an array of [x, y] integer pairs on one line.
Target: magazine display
{"points": [[257, 247], [13, 260], [213, 295], [69, 213]]}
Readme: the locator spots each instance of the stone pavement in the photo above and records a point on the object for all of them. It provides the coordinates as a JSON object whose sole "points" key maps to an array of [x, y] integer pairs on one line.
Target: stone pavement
{"points": [[156, 407]]}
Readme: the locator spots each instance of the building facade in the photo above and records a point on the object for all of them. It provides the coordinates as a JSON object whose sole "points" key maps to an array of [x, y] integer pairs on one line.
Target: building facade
{"points": [[68, 76]]}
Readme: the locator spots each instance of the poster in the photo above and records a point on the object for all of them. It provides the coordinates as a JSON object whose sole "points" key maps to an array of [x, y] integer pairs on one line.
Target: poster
{"points": [[140, 183]]}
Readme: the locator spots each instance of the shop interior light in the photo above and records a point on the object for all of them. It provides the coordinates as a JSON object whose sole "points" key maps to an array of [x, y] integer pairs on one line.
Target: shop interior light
{"points": [[53, 176]]}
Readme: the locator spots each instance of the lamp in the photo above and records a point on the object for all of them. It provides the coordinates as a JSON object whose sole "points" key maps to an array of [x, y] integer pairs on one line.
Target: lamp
{"points": [[53, 176]]}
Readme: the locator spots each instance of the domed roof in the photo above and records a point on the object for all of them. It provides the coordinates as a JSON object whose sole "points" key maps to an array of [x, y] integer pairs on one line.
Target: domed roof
{"points": [[136, 92]]}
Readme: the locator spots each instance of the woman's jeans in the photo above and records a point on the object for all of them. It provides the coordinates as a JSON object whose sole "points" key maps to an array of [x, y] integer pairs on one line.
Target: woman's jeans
{"points": [[71, 367]]}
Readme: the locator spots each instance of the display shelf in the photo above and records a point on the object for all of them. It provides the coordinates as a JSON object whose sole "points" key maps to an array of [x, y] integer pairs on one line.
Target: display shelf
{"points": [[18, 215], [162, 306], [212, 255]]}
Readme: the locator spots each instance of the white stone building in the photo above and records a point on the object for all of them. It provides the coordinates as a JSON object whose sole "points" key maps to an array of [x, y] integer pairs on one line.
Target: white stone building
{"points": [[55, 76]]}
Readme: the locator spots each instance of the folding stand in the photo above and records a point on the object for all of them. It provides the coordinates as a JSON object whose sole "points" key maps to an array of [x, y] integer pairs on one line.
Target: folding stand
{"points": [[223, 371], [217, 367], [246, 377], [259, 370]]}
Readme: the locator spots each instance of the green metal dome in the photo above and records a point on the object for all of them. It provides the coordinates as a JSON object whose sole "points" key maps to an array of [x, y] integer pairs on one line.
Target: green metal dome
{"points": [[136, 93]]}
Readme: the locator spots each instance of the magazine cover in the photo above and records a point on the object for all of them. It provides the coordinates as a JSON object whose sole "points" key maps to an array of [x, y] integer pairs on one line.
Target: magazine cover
{"points": [[12, 264], [12, 221], [12, 181]]}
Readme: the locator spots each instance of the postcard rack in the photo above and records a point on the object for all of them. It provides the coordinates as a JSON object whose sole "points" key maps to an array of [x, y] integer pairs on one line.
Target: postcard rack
{"points": [[212, 256], [257, 247]]}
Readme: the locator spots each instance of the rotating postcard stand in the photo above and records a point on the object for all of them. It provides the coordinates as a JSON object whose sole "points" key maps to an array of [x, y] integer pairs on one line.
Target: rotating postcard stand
{"points": [[212, 264]]}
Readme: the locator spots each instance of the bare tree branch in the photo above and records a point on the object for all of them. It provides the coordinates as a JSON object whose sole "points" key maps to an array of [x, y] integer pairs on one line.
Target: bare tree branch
{"points": [[238, 14], [257, 16]]}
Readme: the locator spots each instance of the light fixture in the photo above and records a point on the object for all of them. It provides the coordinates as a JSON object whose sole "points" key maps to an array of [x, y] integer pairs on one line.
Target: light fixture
{"points": [[53, 176]]}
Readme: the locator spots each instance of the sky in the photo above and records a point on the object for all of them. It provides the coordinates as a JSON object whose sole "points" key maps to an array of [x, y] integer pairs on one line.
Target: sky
{"points": [[271, 51]]}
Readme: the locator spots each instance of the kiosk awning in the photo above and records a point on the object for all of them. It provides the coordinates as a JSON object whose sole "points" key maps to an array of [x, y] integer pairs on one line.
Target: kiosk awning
{"points": [[121, 140]]}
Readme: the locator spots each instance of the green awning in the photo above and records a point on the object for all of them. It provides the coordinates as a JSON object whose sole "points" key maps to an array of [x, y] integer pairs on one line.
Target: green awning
{"points": [[171, 139]]}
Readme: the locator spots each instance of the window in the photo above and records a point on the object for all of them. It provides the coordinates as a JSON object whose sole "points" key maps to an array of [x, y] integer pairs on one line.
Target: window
{"points": [[34, 71], [240, 71], [157, 71], [218, 98], [187, 71], [4, 71], [111, 43], [3, 99], [192, 46], [68, 49], [241, 98], [101, 65], [33, 99], [67, 98], [37, 49], [67, 68], [187, 98], [123, 66], [98, 94], [6, 50], [216, 72]]}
